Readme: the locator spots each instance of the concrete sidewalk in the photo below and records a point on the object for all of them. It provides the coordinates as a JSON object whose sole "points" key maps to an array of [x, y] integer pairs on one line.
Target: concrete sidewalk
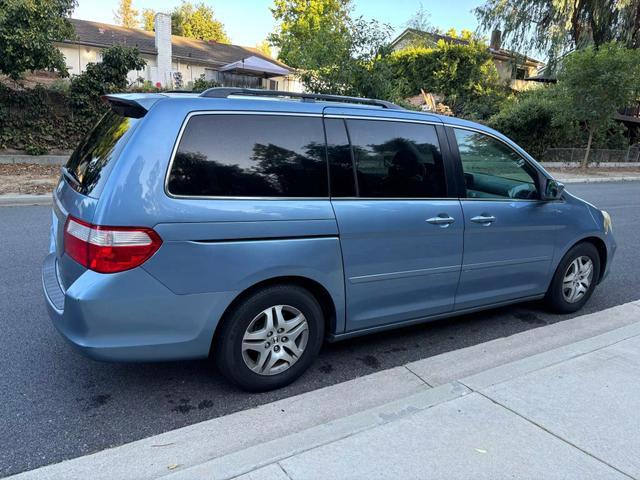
{"points": [[568, 412]]}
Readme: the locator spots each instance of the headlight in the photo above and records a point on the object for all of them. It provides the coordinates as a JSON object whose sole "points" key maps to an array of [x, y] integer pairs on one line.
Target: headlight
{"points": [[608, 227]]}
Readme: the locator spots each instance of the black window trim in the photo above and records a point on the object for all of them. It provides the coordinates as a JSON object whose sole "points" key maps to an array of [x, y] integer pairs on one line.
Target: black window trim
{"points": [[462, 191], [183, 127], [448, 157]]}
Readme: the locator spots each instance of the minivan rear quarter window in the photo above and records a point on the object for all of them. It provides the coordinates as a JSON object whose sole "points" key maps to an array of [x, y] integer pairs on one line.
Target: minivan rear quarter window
{"points": [[232, 155], [90, 163]]}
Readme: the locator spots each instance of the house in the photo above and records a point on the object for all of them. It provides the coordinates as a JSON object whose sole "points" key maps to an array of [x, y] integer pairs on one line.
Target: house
{"points": [[174, 61], [512, 67]]}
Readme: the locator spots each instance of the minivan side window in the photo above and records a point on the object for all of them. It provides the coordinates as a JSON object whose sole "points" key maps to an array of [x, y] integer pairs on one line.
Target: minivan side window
{"points": [[227, 155], [397, 159], [493, 169]]}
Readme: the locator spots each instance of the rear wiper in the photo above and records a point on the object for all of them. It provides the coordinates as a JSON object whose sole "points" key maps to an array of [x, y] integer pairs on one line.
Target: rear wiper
{"points": [[70, 176]]}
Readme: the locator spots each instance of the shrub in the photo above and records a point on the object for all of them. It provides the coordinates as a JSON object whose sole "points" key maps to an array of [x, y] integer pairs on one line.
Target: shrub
{"points": [[200, 84], [107, 76], [538, 119], [40, 119], [463, 73]]}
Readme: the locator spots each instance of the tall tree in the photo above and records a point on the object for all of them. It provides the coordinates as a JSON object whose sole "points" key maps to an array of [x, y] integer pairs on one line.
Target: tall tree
{"points": [[555, 27], [28, 29], [596, 83], [420, 20], [126, 15], [148, 19], [197, 21], [311, 33], [265, 48]]}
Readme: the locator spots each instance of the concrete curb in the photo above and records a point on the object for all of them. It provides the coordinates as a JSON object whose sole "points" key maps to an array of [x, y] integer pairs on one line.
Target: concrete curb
{"points": [[591, 165], [34, 159], [303, 422], [630, 178], [261, 455], [25, 200]]}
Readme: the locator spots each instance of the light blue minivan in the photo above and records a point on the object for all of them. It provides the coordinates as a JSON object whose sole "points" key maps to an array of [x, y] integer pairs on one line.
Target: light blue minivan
{"points": [[251, 225]]}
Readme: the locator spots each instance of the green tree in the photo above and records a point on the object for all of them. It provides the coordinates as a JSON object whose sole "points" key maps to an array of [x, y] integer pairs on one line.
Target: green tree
{"points": [[197, 21], [360, 67], [420, 20], [311, 34], [558, 26], [596, 83], [334, 52], [107, 76], [265, 48], [126, 15], [28, 29], [148, 19]]}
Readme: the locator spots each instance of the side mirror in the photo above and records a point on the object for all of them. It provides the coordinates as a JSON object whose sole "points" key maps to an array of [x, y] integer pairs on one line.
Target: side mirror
{"points": [[553, 190]]}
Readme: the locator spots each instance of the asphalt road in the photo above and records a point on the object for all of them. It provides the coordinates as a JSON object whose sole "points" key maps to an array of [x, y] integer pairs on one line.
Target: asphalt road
{"points": [[56, 404]]}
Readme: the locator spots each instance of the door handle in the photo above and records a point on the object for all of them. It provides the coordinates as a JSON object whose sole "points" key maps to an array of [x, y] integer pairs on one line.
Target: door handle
{"points": [[485, 220], [443, 221]]}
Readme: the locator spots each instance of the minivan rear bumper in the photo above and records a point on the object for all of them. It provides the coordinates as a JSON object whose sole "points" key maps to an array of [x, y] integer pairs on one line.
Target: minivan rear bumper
{"points": [[130, 316]]}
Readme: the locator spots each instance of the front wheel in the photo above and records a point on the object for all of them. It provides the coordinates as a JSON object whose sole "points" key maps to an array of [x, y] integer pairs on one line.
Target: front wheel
{"points": [[575, 279], [270, 338]]}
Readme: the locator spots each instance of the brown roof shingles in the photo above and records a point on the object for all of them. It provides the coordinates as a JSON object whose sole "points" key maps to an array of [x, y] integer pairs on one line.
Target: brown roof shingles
{"points": [[105, 35]]}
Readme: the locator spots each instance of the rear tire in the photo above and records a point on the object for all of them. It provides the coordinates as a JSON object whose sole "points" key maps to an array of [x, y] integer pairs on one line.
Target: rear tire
{"points": [[575, 279], [270, 338]]}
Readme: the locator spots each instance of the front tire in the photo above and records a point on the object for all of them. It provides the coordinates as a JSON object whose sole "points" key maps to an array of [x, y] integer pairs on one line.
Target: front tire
{"points": [[270, 338], [575, 279]]}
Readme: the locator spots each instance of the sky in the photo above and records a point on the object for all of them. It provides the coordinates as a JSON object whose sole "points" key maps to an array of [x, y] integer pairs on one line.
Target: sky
{"points": [[248, 22]]}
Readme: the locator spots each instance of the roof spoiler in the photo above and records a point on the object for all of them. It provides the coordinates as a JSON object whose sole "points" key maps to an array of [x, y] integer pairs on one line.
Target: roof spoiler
{"points": [[134, 105]]}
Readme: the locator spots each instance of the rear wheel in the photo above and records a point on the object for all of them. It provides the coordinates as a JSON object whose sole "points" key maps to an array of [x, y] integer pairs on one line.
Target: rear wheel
{"points": [[270, 338], [575, 279]]}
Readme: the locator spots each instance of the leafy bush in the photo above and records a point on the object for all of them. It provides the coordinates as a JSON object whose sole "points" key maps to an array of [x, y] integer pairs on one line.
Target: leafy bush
{"points": [[107, 76], [200, 84], [531, 120], [538, 119], [463, 73], [39, 120]]}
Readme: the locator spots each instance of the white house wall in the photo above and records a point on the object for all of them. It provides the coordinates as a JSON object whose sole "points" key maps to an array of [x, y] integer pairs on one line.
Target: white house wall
{"points": [[190, 71], [79, 56]]}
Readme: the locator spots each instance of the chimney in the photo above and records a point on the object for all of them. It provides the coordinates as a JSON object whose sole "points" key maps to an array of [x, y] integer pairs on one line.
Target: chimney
{"points": [[162, 24], [496, 40]]}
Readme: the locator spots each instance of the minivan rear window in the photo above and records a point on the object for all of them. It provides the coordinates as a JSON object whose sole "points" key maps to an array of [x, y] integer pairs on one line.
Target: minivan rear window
{"points": [[233, 155], [92, 160]]}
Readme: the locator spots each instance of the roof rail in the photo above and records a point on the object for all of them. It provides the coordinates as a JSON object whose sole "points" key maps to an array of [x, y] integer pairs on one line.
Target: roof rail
{"points": [[224, 92]]}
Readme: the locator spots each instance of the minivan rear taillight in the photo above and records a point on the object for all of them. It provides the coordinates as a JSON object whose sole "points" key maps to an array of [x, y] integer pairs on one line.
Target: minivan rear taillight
{"points": [[109, 249]]}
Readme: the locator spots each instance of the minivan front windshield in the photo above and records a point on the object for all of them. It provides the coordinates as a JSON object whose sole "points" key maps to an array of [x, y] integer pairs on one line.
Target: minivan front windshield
{"points": [[92, 160]]}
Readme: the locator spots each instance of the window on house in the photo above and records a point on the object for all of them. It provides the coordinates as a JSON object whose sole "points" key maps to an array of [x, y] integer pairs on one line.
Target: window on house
{"points": [[518, 73]]}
